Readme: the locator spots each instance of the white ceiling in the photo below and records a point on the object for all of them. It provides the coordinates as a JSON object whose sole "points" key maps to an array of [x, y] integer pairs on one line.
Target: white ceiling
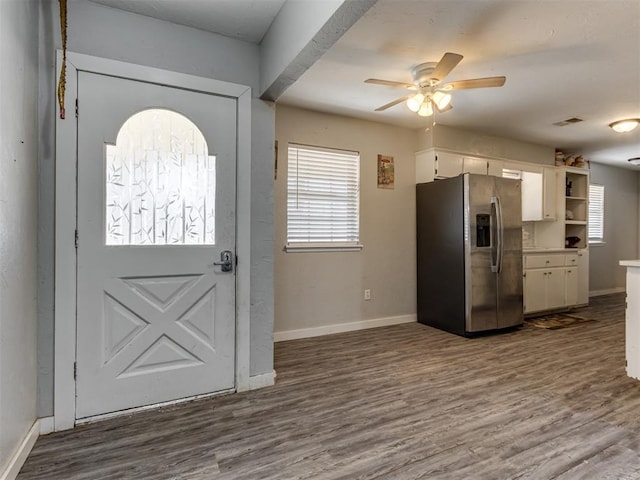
{"points": [[246, 20], [562, 59]]}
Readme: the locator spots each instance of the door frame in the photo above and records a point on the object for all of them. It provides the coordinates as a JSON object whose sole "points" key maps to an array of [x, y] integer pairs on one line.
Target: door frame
{"points": [[66, 218]]}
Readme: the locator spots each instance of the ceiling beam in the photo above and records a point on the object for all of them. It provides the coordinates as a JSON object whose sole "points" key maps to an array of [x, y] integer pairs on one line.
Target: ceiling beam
{"points": [[300, 34]]}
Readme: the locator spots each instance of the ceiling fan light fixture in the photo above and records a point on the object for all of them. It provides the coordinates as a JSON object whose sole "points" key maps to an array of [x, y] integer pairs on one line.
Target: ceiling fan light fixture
{"points": [[441, 99], [415, 102], [429, 91], [426, 110], [623, 126]]}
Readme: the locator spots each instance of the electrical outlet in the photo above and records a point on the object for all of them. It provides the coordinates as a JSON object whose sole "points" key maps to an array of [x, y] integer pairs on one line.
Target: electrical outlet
{"points": [[367, 294]]}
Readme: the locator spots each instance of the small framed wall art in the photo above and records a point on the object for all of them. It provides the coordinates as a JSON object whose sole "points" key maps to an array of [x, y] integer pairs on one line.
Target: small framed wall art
{"points": [[385, 171]]}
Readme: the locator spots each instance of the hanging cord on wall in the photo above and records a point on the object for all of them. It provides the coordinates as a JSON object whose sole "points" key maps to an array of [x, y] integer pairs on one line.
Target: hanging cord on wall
{"points": [[62, 82]]}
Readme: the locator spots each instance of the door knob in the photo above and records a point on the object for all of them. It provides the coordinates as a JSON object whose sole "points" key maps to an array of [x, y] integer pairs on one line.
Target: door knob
{"points": [[226, 261]]}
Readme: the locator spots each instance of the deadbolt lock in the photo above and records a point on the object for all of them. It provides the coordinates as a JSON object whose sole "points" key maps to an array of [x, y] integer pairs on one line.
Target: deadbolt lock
{"points": [[226, 261]]}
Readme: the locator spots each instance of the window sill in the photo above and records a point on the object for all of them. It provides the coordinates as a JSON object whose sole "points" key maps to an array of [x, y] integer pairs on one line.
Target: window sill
{"points": [[311, 248], [594, 243]]}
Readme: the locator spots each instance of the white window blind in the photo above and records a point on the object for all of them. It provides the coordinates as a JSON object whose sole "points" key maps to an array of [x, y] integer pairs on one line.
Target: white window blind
{"points": [[596, 213], [323, 190]]}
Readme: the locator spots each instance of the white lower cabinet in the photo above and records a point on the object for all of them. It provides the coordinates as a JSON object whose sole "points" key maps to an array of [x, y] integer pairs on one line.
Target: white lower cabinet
{"points": [[551, 281], [535, 290], [572, 286], [583, 276], [544, 289], [556, 288]]}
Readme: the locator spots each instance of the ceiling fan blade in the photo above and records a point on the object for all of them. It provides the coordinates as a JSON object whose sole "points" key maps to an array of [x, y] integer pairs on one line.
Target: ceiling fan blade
{"points": [[391, 83], [395, 102], [475, 83], [445, 65]]}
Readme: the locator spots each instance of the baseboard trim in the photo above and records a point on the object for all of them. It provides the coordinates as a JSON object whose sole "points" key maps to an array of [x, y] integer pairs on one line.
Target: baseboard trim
{"points": [[342, 327], [608, 291], [20, 456], [262, 380], [47, 425]]}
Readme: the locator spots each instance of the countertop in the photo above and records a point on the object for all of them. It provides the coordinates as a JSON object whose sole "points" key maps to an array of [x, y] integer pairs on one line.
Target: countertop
{"points": [[630, 263], [549, 250]]}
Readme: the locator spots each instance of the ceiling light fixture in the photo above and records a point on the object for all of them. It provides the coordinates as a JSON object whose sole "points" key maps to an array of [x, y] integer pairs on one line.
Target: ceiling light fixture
{"points": [[424, 104], [415, 102], [426, 110], [623, 126], [441, 99], [634, 161]]}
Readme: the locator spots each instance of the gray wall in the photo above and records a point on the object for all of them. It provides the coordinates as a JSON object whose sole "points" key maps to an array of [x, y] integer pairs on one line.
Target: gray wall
{"points": [[319, 289], [620, 227], [109, 33], [18, 222]]}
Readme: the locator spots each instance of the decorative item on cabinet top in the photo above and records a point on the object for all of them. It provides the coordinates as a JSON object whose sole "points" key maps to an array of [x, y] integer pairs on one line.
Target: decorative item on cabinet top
{"points": [[570, 160]]}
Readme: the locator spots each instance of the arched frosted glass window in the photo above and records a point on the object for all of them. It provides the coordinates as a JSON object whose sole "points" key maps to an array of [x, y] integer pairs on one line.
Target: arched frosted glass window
{"points": [[160, 182]]}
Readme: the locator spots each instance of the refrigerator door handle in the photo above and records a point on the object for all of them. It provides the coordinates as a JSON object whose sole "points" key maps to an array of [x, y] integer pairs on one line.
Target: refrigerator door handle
{"points": [[496, 250]]}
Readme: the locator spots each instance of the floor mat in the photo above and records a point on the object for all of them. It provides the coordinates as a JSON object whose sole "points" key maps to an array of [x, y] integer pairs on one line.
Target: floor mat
{"points": [[556, 321]]}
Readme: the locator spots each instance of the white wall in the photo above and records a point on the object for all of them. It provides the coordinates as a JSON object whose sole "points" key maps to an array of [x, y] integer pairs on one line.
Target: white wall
{"points": [[114, 34], [475, 143], [620, 227], [18, 222], [319, 289]]}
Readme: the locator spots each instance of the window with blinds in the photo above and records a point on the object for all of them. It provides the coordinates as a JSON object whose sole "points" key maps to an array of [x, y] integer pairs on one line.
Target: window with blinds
{"points": [[596, 213], [323, 198]]}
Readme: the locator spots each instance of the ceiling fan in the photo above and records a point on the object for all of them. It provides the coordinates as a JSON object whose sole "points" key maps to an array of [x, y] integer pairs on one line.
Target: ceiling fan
{"points": [[430, 93]]}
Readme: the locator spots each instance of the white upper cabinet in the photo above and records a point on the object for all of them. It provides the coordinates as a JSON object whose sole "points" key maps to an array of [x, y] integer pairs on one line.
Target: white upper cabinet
{"points": [[448, 164], [475, 165], [425, 166], [539, 184], [538, 192], [495, 167], [436, 164], [532, 196], [549, 193]]}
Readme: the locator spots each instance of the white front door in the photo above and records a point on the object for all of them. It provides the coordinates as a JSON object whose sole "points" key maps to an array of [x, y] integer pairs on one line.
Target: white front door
{"points": [[156, 208]]}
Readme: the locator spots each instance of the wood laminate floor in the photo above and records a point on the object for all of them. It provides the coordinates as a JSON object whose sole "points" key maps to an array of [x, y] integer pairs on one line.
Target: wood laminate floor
{"points": [[401, 402]]}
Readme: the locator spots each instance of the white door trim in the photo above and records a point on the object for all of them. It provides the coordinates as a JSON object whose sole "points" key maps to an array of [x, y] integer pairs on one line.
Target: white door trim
{"points": [[65, 221]]}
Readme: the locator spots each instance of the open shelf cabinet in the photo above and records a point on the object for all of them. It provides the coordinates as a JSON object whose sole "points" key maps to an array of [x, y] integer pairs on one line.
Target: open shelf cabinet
{"points": [[576, 182]]}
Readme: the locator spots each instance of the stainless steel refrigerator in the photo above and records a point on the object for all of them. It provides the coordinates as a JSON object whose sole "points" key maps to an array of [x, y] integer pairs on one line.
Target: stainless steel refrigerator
{"points": [[469, 240]]}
